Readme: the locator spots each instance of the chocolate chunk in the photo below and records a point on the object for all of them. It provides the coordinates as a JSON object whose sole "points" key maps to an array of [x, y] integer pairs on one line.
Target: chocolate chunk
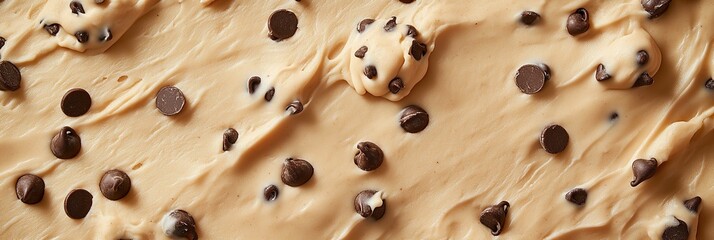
{"points": [[76, 102], [391, 24], [361, 51], [693, 204], [362, 25], [709, 84], [253, 83], [396, 85], [643, 80], [52, 29], [170, 100], [76, 7], [271, 193], [417, 50], [413, 119], [106, 36], [577, 196], [369, 156], [282, 25], [296, 172], [677, 232], [10, 76], [554, 139], [642, 57], [642, 170], [295, 107], [494, 217], [578, 22], [115, 184], [269, 94], [179, 224], [30, 189], [78, 203], [601, 73], [655, 7], [363, 208], [370, 71], [407, 1], [66, 143], [529, 17], [230, 137], [2, 42], [82, 36], [412, 31], [531, 78]]}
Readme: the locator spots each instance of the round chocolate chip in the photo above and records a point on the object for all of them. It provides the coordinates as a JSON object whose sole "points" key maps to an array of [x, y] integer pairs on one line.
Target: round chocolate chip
{"points": [[578, 22], [52, 29], [82, 36], [577, 196], [78, 203], [179, 224], [296, 172], [531, 78], [282, 25], [76, 102], [253, 83], [10, 76], [230, 137], [115, 185], [363, 208], [370, 71], [413, 119], [269, 94], [529, 17], [361, 52], [554, 139], [396, 85], [170, 100], [692, 204], [642, 170], [655, 7], [76, 7], [369, 156], [66, 143], [601, 73], [676, 232], [295, 107], [642, 57], [271, 193], [494, 217], [30, 189], [362, 25]]}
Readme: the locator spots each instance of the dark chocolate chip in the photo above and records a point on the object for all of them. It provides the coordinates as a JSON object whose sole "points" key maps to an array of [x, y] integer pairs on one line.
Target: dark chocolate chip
{"points": [[82, 36], [30, 189], [363, 208], [295, 107], [709, 84], [269, 94], [677, 232], [407, 1], [106, 36], [412, 31], [529, 17], [391, 24], [655, 7], [369, 156], [76, 7], [643, 169], [531, 78], [66, 143], [230, 137], [370, 71], [494, 217], [642, 57], [643, 80], [78, 203], [52, 29], [601, 73], [98, 1], [76, 102], [2, 42], [183, 225], [614, 116], [282, 25], [271, 193], [361, 51], [693, 204], [115, 184], [396, 85], [10, 76], [578, 22], [417, 50], [253, 83], [362, 25], [296, 172], [577, 196], [413, 119], [170, 100], [554, 139]]}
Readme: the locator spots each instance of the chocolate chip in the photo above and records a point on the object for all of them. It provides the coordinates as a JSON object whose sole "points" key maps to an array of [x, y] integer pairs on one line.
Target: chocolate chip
{"points": [[614, 116], [30, 189], [412, 31], [370, 71], [230, 137], [2, 42], [253, 83], [269, 94], [677, 232], [363, 207], [554, 139], [295, 107], [655, 7], [52, 29], [82, 36], [709, 84], [115, 184], [642, 170], [76, 102], [396, 85], [531, 78], [642, 57], [494, 217], [76, 7], [391, 24], [529, 17], [179, 224], [98, 1], [369, 156], [413, 119], [577, 196], [693, 204], [10, 76], [407, 1], [578, 22], [296, 172], [170, 100], [282, 25], [362, 25], [417, 50], [643, 80], [66, 143], [106, 36], [361, 51], [78, 203], [601, 73], [271, 193]]}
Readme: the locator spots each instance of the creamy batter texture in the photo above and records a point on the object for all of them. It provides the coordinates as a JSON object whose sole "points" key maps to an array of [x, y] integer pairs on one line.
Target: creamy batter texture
{"points": [[318, 98]]}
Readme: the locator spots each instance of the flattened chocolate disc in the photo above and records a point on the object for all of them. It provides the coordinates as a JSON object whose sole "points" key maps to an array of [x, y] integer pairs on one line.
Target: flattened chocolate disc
{"points": [[282, 25], [554, 139], [170, 100], [78, 203], [76, 102], [531, 78], [10, 76]]}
